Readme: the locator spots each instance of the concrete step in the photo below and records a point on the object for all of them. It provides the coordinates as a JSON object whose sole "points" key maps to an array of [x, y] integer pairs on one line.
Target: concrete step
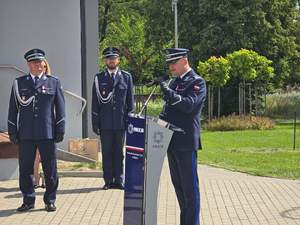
{"points": [[72, 157]]}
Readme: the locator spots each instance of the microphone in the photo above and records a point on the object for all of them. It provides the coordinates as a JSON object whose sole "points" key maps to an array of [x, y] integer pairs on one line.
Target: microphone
{"points": [[158, 80]]}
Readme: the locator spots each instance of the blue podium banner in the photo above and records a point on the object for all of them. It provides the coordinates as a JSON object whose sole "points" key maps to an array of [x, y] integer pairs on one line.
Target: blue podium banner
{"points": [[134, 171]]}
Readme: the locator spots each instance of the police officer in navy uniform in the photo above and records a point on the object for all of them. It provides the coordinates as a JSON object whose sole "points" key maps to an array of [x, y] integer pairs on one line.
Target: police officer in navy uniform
{"points": [[184, 98], [112, 100], [36, 119]]}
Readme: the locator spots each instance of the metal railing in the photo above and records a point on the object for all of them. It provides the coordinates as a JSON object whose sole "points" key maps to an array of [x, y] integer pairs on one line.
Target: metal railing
{"points": [[78, 97], [10, 66]]}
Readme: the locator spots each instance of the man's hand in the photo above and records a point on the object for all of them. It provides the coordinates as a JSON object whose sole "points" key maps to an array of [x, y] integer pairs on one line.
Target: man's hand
{"points": [[165, 89], [161, 79], [59, 137], [169, 95], [13, 139]]}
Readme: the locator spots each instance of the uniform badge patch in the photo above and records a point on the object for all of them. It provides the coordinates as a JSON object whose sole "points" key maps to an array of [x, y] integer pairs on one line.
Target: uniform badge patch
{"points": [[196, 88]]}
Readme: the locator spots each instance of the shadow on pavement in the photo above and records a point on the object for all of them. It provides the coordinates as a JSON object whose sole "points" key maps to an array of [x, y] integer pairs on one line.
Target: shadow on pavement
{"points": [[293, 213], [15, 189], [59, 192], [9, 212]]}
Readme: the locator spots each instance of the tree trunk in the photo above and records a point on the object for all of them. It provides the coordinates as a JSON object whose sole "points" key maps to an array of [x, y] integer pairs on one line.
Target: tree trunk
{"points": [[212, 101], [250, 99], [256, 100], [208, 103], [240, 99], [219, 101], [244, 97]]}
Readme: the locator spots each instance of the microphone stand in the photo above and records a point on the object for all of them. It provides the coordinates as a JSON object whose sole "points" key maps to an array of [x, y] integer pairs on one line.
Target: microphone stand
{"points": [[147, 101], [167, 125]]}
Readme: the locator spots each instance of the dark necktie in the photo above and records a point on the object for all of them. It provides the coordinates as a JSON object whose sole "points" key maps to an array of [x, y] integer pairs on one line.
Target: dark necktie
{"points": [[112, 77], [36, 78]]}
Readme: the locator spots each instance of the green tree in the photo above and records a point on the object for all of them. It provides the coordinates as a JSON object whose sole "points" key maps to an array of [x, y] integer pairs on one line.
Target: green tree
{"points": [[266, 27], [216, 28], [216, 72], [248, 65], [160, 25], [111, 10], [140, 58]]}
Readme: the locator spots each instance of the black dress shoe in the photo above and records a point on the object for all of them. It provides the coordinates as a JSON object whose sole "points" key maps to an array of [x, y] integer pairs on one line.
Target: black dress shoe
{"points": [[25, 207], [50, 207], [119, 186], [106, 186]]}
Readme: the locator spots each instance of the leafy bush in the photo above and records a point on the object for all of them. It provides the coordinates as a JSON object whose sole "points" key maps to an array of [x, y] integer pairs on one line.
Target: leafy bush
{"points": [[283, 105], [234, 122], [154, 107], [215, 70]]}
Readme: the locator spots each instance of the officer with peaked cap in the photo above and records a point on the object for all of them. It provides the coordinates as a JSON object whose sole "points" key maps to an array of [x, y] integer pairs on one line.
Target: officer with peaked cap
{"points": [[112, 100], [36, 119], [184, 98]]}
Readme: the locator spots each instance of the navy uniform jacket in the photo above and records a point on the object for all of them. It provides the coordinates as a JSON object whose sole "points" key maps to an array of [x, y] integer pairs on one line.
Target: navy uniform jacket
{"points": [[183, 108], [111, 100], [36, 112]]}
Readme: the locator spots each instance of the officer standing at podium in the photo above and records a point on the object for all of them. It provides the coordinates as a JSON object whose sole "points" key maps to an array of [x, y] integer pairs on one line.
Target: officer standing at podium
{"points": [[184, 98], [112, 100], [36, 119]]}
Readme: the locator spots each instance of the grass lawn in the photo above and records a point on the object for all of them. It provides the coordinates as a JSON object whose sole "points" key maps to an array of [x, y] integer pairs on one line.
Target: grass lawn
{"points": [[258, 152]]}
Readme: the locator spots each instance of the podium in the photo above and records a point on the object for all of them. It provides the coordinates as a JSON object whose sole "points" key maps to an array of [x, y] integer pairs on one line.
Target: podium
{"points": [[147, 142]]}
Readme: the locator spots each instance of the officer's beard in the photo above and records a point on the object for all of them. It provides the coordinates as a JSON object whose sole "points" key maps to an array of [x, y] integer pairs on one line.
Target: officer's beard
{"points": [[112, 67]]}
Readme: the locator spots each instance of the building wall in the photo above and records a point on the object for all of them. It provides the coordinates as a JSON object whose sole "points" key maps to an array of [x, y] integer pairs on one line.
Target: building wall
{"points": [[91, 50], [54, 26]]}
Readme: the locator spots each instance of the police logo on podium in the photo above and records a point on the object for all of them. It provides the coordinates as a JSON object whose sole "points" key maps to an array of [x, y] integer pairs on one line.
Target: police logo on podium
{"points": [[158, 138], [130, 129]]}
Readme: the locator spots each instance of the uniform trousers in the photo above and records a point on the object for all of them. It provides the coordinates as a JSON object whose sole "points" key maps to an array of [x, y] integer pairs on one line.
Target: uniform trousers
{"points": [[27, 151], [112, 142], [183, 170]]}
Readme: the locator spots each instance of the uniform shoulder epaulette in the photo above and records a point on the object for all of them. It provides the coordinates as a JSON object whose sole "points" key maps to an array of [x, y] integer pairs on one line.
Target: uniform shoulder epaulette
{"points": [[125, 72], [196, 76], [52, 76], [22, 77], [100, 73]]}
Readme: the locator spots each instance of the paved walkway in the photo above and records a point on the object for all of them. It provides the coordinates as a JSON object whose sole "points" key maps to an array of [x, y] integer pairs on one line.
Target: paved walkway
{"points": [[226, 198]]}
